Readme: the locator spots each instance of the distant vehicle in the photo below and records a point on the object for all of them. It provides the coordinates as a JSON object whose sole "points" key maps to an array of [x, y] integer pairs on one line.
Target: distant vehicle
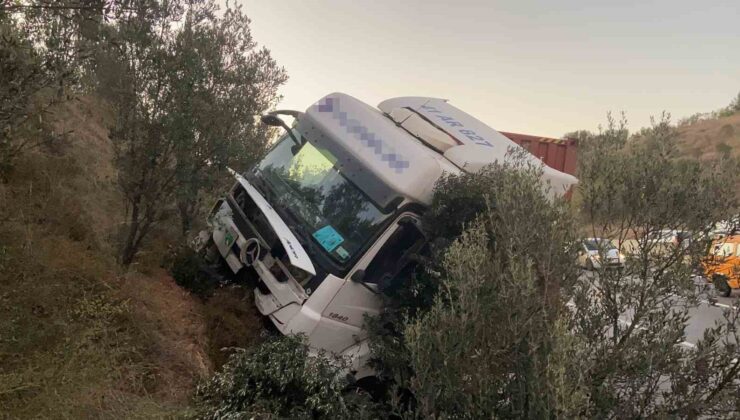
{"points": [[597, 253], [329, 220], [726, 227], [680, 238], [722, 265], [666, 242]]}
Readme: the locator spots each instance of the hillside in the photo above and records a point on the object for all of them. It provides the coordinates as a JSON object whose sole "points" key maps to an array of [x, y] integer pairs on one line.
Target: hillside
{"points": [[711, 138], [80, 336]]}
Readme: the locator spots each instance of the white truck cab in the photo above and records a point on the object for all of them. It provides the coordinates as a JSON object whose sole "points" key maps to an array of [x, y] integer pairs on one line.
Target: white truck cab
{"points": [[330, 218]]}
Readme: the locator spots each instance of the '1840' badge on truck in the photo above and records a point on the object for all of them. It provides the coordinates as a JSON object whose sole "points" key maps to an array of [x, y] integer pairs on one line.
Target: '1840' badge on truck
{"points": [[338, 317]]}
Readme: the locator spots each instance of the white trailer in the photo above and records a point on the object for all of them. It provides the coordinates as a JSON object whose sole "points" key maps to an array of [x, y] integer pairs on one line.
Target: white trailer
{"points": [[329, 219]]}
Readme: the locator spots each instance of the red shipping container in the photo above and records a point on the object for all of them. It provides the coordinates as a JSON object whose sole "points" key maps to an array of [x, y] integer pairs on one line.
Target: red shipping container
{"points": [[560, 154]]}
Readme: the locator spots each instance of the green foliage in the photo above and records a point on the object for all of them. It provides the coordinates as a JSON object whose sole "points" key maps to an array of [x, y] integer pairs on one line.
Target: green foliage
{"points": [[579, 135], [513, 330], [281, 379], [223, 81], [186, 267], [735, 104], [498, 294], [727, 111], [730, 109], [464, 196], [186, 83], [724, 149], [632, 189], [43, 49], [643, 179], [24, 96]]}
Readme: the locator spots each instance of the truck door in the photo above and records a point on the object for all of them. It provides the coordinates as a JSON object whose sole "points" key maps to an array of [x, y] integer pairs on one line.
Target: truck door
{"points": [[381, 270], [396, 260]]}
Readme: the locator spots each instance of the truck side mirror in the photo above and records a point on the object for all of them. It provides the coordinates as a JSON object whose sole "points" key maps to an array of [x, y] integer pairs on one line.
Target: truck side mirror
{"points": [[358, 276]]}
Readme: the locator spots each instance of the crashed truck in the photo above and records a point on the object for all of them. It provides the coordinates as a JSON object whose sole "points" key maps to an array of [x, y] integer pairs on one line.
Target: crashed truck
{"points": [[329, 219]]}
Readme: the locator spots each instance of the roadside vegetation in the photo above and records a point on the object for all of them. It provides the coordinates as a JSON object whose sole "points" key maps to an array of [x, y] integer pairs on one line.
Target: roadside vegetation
{"points": [[117, 121], [85, 154], [500, 323]]}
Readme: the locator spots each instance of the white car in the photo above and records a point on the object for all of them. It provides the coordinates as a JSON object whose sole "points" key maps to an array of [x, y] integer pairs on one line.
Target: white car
{"points": [[596, 253]]}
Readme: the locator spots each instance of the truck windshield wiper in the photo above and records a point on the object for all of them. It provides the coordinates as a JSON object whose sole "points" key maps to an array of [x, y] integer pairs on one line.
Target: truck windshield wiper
{"points": [[296, 227], [292, 219], [289, 216]]}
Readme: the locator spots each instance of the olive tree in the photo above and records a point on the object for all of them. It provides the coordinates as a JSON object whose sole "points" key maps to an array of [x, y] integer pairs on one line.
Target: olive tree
{"points": [[37, 66], [186, 83], [280, 378], [659, 208], [223, 82], [493, 342], [503, 324]]}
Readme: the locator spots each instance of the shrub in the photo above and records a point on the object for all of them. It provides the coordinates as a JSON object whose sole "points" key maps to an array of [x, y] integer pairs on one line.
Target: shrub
{"points": [[487, 334], [724, 149], [188, 269], [280, 379], [514, 331]]}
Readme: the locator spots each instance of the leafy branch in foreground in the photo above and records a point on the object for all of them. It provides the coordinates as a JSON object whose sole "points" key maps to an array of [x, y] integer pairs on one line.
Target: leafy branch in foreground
{"points": [[638, 191], [280, 379], [510, 328]]}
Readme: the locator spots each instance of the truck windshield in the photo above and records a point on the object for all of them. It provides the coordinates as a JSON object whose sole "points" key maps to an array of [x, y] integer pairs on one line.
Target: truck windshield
{"points": [[335, 213]]}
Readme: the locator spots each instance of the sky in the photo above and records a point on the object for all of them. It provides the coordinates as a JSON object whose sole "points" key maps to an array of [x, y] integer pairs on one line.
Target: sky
{"points": [[542, 68]]}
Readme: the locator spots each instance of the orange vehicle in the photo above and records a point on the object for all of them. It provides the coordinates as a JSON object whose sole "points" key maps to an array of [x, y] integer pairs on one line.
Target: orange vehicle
{"points": [[722, 265]]}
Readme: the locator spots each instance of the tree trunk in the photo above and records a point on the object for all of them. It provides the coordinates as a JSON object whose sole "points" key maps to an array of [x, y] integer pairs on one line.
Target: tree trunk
{"points": [[187, 215], [130, 246]]}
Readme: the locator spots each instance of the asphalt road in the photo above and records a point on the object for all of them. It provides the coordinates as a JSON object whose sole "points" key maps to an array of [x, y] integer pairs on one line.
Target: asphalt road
{"points": [[710, 311]]}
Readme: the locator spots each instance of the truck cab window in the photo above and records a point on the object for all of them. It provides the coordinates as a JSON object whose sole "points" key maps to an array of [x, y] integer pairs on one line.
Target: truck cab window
{"points": [[395, 259]]}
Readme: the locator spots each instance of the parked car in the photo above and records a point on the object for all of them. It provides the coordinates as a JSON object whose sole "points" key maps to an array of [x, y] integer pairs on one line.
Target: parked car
{"points": [[722, 265], [596, 253]]}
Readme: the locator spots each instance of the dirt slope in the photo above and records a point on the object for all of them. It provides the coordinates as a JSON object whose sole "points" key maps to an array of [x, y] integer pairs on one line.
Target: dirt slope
{"points": [[79, 337], [712, 138]]}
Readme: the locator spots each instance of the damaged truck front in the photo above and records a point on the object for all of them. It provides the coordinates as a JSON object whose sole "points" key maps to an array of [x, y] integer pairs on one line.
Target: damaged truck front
{"points": [[330, 218]]}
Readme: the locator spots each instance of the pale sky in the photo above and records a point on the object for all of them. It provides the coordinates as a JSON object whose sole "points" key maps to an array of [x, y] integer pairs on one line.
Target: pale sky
{"points": [[541, 68]]}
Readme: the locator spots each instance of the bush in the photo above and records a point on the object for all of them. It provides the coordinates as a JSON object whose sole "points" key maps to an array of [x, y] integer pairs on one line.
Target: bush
{"points": [[280, 379], [515, 331], [724, 149], [486, 335], [187, 267]]}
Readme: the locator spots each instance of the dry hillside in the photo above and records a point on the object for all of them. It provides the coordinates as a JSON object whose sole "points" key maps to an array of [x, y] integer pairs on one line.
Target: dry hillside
{"points": [[79, 337], [712, 137]]}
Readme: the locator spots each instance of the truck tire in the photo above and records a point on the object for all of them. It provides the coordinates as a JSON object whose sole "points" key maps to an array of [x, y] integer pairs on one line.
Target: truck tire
{"points": [[721, 285]]}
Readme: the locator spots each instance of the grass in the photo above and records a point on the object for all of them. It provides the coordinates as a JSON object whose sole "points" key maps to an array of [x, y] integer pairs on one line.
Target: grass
{"points": [[80, 337], [711, 138], [70, 345]]}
